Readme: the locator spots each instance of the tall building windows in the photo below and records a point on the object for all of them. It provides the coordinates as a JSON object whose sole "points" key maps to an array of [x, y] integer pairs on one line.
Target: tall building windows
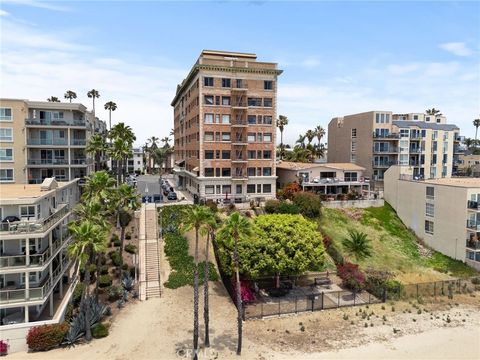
{"points": [[267, 188], [354, 133], [254, 101], [208, 118], [267, 137], [226, 100], [6, 154], [208, 81], [354, 146], [209, 172], [226, 83], [5, 114], [429, 227], [208, 99], [430, 192], [6, 175], [225, 119], [268, 102], [6, 134], [268, 85], [208, 136], [353, 158], [429, 209], [209, 154]]}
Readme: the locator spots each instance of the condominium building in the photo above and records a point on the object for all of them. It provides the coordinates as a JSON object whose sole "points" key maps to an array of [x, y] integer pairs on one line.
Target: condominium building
{"points": [[224, 127], [378, 139], [35, 273], [444, 212], [134, 163], [40, 140]]}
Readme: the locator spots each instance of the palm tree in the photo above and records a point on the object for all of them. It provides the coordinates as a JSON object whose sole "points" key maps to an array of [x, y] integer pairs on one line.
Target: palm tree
{"points": [[476, 123], [93, 94], [120, 151], [433, 111], [89, 240], [69, 94], [310, 134], [319, 133], [301, 141], [110, 106], [99, 186], [358, 245], [122, 148], [282, 121], [235, 228], [152, 145], [195, 218], [53, 99], [96, 146]]}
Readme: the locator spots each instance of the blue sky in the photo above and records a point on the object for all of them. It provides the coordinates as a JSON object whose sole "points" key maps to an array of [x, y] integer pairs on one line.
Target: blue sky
{"points": [[338, 57]]}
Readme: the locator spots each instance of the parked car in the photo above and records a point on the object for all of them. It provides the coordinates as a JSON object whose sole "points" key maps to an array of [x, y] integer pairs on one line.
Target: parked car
{"points": [[157, 198], [172, 196]]}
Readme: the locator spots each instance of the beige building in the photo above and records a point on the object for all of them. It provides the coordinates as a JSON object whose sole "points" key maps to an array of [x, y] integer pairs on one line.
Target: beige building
{"points": [[445, 212], [39, 140], [469, 164], [377, 140], [224, 127], [35, 273]]}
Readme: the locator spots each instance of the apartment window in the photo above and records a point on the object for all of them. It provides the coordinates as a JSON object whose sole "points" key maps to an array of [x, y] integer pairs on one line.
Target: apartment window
{"points": [[351, 176], [267, 120], [387, 118], [251, 171], [225, 136], [267, 102], [225, 119], [430, 209], [226, 189], [238, 189], [6, 175], [252, 119], [27, 212], [254, 102], [353, 158], [217, 119], [429, 227], [267, 188], [251, 137], [239, 83], [6, 134], [208, 99], [209, 172], [209, 154], [267, 137], [267, 154], [415, 117], [209, 136], [377, 118], [208, 81], [208, 119], [217, 100], [5, 114], [57, 115], [226, 100], [226, 172], [6, 154], [268, 85], [225, 154], [209, 189], [259, 188], [250, 188], [259, 137], [226, 83], [252, 154], [354, 146], [267, 171], [430, 192], [218, 189], [354, 133]]}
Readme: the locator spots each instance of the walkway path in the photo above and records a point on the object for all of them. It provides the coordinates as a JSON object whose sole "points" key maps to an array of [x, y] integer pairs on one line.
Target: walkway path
{"points": [[149, 253]]}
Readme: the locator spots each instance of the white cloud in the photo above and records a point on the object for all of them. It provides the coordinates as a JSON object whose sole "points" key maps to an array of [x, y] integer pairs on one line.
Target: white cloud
{"points": [[3, 13], [400, 69], [38, 4], [457, 48]]}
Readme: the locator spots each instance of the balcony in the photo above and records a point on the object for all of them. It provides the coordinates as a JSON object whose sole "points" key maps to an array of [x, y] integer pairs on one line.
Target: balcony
{"points": [[386, 136], [240, 123], [385, 150], [383, 164], [81, 161], [473, 205], [46, 141], [47, 162], [417, 150], [473, 225], [78, 142], [35, 260], [473, 244], [39, 226], [56, 123]]}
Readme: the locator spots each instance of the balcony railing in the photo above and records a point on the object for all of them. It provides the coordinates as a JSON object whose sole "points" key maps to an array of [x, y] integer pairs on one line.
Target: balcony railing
{"points": [[78, 142], [40, 226], [49, 122], [385, 150], [36, 293], [473, 244], [386, 136], [384, 163], [473, 224], [475, 205], [47, 162], [80, 161], [46, 141]]}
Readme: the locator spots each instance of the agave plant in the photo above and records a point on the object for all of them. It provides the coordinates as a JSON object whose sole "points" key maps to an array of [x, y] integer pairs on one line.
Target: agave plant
{"points": [[127, 282], [76, 331], [96, 310], [120, 303]]}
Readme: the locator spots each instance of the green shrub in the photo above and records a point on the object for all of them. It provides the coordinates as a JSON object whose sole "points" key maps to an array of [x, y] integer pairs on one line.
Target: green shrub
{"points": [[128, 236], [124, 266], [103, 260], [308, 203], [69, 312], [114, 292], [104, 281], [99, 331], [93, 269], [115, 256], [281, 207], [77, 294], [116, 243], [46, 337], [335, 254], [130, 248], [104, 270], [114, 237]]}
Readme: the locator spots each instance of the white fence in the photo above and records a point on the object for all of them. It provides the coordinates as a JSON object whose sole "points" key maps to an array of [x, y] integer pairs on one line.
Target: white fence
{"points": [[353, 203]]}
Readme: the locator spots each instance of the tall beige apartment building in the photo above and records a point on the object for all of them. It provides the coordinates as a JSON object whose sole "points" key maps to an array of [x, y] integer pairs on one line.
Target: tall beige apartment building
{"points": [[224, 124], [422, 144], [41, 140]]}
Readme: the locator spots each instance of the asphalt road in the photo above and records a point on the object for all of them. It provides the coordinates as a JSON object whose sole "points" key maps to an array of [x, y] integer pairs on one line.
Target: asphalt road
{"points": [[150, 183]]}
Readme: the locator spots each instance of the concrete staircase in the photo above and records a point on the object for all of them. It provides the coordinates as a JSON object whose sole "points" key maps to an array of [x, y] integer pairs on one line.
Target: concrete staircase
{"points": [[152, 270]]}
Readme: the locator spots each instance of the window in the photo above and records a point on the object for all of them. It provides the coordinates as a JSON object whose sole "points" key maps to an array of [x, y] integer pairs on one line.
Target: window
{"points": [[430, 209], [377, 118], [267, 137], [239, 84], [430, 192], [217, 100], [6, 175], [225, 136], [254, 102], [226, 172], [6, 134], [429, 227], [226, 83], [27, 212], [209, 189], [250, 188], [252, 154], [217, 119], [354, 146], [226, 189], [57, 115], [208, 154], [5, 114], [353, 158], [225, 154], [267, 188], [238, 189], [251, 171], [354, 133], [259, 188], [415, 117], [387, 118], [267, 102], [6, 154], [252, 119], [226, 100], [267, 154], [208, 100], [251, 137], [268, 85], [351, 176], [209, 136], [208, 118], [208, 81], [267, 120], [209, 172], [267, 171], [225, 119]]}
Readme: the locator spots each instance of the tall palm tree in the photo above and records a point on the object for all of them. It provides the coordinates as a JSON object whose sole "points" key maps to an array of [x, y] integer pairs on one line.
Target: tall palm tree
{"points": [[110, 106], [93, 94], [99, 186], [96, 146], [235, 228], [89, 239], [53, 99], [282, 121], [122, 148], [310, 134], [319, 133], [358, 245], [69, 94], [433, 111], [469, 142], [195, 218], [152, 145], [476, 123], [301, 141]]}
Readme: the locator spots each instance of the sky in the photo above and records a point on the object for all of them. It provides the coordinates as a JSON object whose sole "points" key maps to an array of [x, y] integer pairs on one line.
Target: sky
{"points": [[338, 58]]}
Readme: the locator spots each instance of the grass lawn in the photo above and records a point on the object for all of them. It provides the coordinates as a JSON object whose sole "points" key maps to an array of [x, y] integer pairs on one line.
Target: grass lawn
{"points": [[394, 246]]}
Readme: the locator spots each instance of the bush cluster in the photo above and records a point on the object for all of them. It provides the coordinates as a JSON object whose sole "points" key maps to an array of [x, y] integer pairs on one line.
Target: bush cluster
{"points": [[46, 337], [115, 256], [308, 203], [77, 294], [99, 331], [104, 281], [281, 207], [352, 277], [130, 248]]}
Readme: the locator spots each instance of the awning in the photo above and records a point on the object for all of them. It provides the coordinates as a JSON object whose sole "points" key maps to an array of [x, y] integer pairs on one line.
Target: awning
{"points": [[179, 162], [196, 168]]}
